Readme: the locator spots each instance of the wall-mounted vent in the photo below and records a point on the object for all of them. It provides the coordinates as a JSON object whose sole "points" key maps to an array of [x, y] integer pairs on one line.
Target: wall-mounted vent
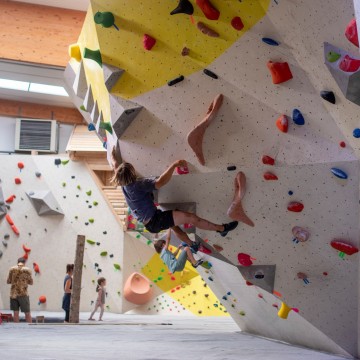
{"points": [[36, 135]]}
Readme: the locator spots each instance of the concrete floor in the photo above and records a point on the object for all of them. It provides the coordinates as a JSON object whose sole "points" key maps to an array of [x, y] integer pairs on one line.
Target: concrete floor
{"points": [[134, 337]]}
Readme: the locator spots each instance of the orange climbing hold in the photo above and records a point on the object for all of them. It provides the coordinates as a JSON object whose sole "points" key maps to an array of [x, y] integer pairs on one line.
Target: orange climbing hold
{"points": [[9, 220], [15, 229], [282, 123], [280, 72], [208, 9], [270, 176]]}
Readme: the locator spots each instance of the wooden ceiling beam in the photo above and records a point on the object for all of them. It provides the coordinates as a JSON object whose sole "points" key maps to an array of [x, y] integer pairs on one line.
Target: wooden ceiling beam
{"points": [[9, 108]]}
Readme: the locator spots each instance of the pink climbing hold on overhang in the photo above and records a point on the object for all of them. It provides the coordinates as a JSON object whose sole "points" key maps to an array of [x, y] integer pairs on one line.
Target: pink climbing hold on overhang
{"points": [[270, 176], [282, 123], [148, 42], [137, 289], [351, 33], [280, 72], [237, 24], [245, 259], [349, 64], [295, 206], [208, 9]]}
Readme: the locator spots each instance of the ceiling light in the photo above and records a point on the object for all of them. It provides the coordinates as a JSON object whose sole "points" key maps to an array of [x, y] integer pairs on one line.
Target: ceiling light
{"points": [[14, 85], [47, 89]]}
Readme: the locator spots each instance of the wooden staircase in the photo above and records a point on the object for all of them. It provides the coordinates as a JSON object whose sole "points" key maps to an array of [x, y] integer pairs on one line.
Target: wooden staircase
{"points": [[116, 200]]}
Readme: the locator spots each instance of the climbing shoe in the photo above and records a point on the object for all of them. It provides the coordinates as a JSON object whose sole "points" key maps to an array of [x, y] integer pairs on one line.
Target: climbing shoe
{"points": [[228, 227], [198, 263]]}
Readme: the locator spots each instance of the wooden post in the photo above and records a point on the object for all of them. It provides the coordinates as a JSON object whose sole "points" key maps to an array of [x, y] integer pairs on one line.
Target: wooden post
{"points": [[76, 283]]}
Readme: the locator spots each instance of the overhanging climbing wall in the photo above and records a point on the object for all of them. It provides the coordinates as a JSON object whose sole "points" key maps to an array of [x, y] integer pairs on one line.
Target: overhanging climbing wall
{"points": [[326, 295]]}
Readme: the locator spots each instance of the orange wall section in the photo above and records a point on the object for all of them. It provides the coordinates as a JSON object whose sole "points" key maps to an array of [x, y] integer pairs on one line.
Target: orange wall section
{"points": [[38, 34]]}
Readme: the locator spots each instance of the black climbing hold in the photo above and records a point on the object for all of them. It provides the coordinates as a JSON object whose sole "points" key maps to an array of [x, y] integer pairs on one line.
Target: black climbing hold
{"points": [[45, 230], [104, 232], [90, 206], [64, 196], [37, 174], [210, 73], [231, 168], [77, 195], [22, 199], [184, 7], [5, 243], [111, 255], [29, 234], [87, 201], [25, 216], [8, 207], [96, 264], [57, 161], [98, 244], [176, 80], [86, 223], [328, 96], [73, 177], [6, 236]]}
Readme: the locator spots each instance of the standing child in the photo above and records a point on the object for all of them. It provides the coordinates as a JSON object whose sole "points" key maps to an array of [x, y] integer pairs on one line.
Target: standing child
{"points": [[100, 301], [169, 258]]}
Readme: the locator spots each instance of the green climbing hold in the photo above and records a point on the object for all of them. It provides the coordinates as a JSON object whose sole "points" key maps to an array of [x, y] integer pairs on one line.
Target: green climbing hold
{"points": [[242, 313], [106, 19], [149, 242], [138, 236], [160, 278], [95, 203], [117, 266], [106, 126], [63, 184], [82, 107], [162, 270], [332, 56], [94, 55], [91, 221], [78, 187], [76, 217], [64, 162], [88, 193], [91, 242], [119, 293], [93, 281], [103, 253]]}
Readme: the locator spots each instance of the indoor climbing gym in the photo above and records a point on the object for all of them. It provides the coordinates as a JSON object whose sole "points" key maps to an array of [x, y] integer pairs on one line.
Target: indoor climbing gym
{"points": [[179, 179]]}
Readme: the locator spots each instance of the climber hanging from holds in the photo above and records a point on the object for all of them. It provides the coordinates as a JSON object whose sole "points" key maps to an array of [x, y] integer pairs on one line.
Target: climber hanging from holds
{"points": [[139, 197]]}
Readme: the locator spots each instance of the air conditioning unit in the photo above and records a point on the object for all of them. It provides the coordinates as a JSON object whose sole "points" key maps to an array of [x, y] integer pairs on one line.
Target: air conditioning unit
{"points": [[36, 135]]}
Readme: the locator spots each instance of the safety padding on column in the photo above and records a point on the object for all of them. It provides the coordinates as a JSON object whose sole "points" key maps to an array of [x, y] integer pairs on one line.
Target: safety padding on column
{"points": [[89, 100], [123, 112], [80, 86], [348, 81], [137, 289], [95, 113], [111, 75], [262, 276]]}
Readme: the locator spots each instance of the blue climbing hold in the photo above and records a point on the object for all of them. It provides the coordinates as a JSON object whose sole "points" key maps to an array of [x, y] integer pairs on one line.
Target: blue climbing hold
{"points": [[339, 173], [356, 133], [91, 127], [270, 41], [290, 192], [297, 117]]}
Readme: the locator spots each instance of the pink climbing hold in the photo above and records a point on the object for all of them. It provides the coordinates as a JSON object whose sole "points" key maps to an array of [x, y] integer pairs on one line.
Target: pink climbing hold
{"points": [[148, 42], [282, 123], [244, 259], [280, 72], [237, 24], [295, 206], [208, 9], [349, 64], [270, 176], [268, 160], [351, 33]]}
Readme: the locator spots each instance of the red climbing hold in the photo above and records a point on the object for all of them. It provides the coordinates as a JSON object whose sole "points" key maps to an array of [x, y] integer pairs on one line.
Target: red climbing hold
{"points": [[208, 9], [36, 268], [17, 181], [349, 64], [244, 259], [268, 160], [15, 229], [280, 72], [236, 23], [42, 299], [295, 206], [10, 199], [342, 144], [9, 219], [248, 283], [25, 256], [20, 165], [182, 170], [218, 247], [148, 42], [283, 123], [351, 33], [204, 249], [344, 247], [270, 176], [26, 249]]}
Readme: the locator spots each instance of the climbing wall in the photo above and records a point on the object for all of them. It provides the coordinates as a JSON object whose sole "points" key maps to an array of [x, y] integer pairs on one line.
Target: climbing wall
{"points": [[316, 160], [52, 237]]}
